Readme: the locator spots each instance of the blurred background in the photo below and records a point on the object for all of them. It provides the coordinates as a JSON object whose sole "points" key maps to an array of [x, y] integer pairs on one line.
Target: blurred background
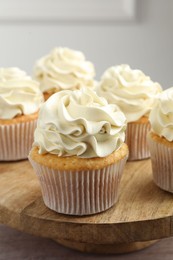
{"points": [[108, 32]]}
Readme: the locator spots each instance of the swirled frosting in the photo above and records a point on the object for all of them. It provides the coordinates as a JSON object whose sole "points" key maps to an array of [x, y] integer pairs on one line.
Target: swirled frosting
{"points": [[79, 123], [161, 116], [19, 94], [131, 90], [64, 69]]}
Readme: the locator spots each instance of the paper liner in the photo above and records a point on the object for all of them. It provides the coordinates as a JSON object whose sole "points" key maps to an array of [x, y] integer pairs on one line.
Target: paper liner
{"points": [[162, 164], [16, 140], [136, 139], [80, 192]]}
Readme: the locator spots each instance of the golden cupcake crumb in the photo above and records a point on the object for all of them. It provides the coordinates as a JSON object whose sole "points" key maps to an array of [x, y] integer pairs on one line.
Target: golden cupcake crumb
{"points": [[49, 93], [142, 120], [160, 139], [19, 119], [75, 163]]}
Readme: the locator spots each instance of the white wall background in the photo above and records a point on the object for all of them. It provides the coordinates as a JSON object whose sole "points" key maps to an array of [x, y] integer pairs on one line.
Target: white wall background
{"points": [[145, 43]]}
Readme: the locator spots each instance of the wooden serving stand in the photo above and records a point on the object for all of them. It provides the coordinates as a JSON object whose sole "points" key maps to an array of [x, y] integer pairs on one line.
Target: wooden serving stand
{"points": [[143, 214]]}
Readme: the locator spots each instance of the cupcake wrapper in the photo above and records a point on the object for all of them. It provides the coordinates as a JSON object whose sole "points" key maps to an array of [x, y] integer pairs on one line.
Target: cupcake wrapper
{"points": [[16, 140], [81, 192], [162, 164], [136, 139]]}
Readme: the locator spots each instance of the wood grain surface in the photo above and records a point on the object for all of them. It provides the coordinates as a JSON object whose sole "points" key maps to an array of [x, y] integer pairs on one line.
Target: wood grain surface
{"points": [[143, 212], [16, 245]]}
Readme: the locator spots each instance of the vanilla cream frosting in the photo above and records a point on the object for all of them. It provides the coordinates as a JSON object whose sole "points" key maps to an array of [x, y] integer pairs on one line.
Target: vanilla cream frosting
{"points": [[19, 94], [79, 123], [64, 69], [161, 116], [131, 90]]}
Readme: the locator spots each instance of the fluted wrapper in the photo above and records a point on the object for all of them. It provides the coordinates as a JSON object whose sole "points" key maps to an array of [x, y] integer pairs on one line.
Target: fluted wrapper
{"points": [[162, 164], [80, 192], [16, 140], [136, 139]]}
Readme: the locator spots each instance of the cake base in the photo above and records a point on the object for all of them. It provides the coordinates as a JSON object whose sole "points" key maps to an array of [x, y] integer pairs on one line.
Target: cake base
{"points": [[121, 248], [142, 215]]}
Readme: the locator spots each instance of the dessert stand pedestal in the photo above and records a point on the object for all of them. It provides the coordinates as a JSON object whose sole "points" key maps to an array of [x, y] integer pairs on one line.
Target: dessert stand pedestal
{"points": [[142, 215]]}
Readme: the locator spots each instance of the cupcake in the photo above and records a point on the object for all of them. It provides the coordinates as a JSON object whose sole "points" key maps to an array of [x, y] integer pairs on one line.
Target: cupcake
{"points": [[63, 69], [134, 93], [79, 152], [160, 140], [20, 100]]}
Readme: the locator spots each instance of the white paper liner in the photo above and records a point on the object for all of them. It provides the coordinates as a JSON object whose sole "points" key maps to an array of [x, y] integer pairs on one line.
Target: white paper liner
{"points": [[162, 164], [80, 192], [136, 139], [16, 140]]}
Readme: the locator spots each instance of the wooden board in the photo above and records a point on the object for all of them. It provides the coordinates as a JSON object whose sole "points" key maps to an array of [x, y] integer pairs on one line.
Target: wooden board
{"points": [[143, 213]]}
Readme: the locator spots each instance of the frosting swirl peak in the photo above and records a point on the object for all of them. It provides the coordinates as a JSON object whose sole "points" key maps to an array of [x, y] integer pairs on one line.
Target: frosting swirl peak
{"points": [[131, 90], [161, 116], [79, 123], [64, 69], [19, 94]]}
